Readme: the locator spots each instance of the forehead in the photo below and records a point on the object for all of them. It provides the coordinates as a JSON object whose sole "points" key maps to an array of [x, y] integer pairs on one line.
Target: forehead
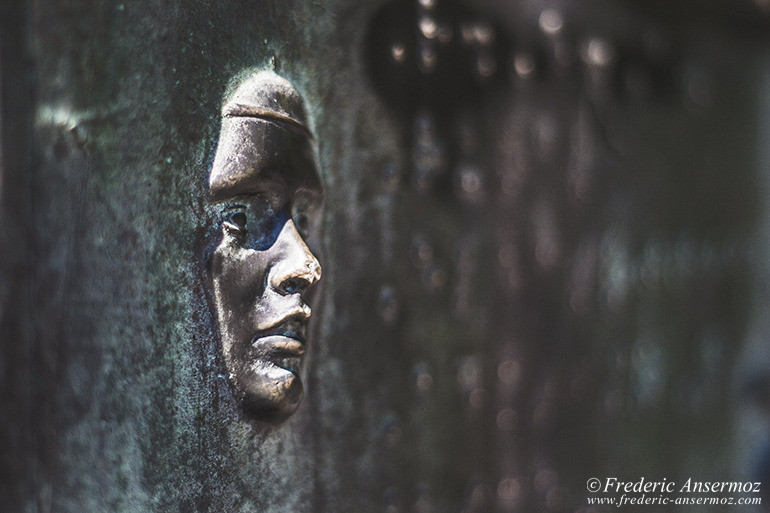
{"points": [[264, 141], [257, 154]]}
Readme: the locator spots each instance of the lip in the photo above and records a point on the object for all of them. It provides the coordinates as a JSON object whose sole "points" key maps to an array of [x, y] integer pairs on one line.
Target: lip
{"points": [[279, 345]]}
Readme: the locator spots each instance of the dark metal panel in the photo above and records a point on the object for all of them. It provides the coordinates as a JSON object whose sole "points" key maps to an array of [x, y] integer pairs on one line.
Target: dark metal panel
{"points": [[535, 250]]}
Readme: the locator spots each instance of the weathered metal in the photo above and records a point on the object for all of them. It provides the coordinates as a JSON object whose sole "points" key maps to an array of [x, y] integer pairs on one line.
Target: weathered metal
{"points": [[267, 194], [535, 236]]}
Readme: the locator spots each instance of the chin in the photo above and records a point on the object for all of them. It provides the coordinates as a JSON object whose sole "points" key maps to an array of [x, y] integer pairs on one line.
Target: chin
{"points": [[270, 393]]}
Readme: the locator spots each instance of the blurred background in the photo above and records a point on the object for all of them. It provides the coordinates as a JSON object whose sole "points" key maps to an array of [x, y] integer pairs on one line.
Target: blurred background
{"points": [[545, 254]]}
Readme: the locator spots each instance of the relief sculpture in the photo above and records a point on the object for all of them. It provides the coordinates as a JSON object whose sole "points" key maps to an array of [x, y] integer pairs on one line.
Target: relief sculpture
{"points": [[267, 195]]}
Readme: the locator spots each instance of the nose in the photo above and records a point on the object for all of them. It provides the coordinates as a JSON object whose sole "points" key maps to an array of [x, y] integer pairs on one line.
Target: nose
{"points": [[295, 267]]}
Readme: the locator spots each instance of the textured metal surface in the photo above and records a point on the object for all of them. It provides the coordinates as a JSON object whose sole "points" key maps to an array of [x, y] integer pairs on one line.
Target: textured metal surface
{"points": [[536, 263], [268, 197]]}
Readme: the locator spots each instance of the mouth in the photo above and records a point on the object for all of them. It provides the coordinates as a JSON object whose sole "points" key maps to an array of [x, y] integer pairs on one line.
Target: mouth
{"points": [[282, 346]]}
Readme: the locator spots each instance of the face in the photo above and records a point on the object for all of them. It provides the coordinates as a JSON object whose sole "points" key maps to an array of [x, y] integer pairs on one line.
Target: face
{"points": [[267, 195], [263, 273]]}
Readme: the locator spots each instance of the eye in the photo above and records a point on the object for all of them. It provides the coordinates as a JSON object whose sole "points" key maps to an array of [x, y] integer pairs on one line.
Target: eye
{"points": [[302, 222], [304, 211], [239, 219], [235, 223]]}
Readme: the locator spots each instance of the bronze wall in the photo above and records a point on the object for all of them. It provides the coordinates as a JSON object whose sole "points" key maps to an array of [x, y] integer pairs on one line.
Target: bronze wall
{"points": [[537, 252]]}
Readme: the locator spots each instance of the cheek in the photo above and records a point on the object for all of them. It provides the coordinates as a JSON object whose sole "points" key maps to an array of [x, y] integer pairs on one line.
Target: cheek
{"points": [[239, 276]]}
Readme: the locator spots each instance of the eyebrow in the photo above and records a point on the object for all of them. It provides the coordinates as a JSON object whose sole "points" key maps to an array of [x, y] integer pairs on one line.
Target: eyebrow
{"points": [[242, 188], [235, 206]]}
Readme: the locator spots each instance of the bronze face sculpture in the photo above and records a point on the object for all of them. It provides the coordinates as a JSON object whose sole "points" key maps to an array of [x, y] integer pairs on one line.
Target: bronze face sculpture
{"points": [[268, 194]]}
